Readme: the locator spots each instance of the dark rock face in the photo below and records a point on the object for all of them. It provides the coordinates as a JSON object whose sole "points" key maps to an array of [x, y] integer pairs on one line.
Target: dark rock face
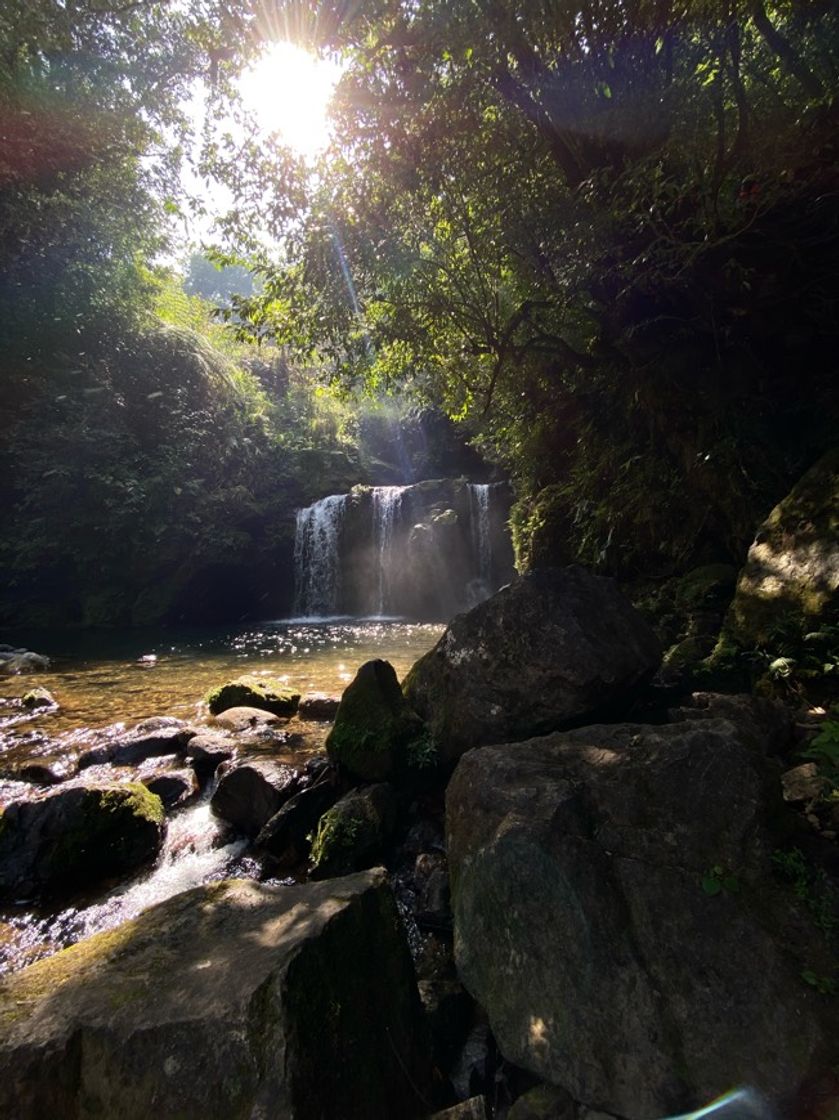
{"points": [[77, 836], [352, 834], [376, 735], [148, 740], [318, 707], [254, 692], [174, 787], [285, 837], [551, 648], [250, 793], [231, 1000], [617, 916]]}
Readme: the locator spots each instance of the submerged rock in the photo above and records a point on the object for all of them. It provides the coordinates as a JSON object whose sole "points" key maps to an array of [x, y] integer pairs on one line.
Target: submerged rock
{"points": [[231, 1000], [77, 836], [352, 834], [617, 916], [251, 691], [246, 719], [42, 761], [37, 698], [549, 649], [376, 735], [250, 793]]}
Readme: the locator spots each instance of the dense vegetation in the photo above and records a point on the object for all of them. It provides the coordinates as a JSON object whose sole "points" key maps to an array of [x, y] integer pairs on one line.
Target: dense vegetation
{"points": [[601, 236]]}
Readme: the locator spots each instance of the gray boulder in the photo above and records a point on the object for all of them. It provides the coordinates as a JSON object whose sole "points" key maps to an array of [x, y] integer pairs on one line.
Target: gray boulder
{"points": [[22, 661], [77, 836], [617, 916], [232, 1000], [553, 647], [250, 793]]}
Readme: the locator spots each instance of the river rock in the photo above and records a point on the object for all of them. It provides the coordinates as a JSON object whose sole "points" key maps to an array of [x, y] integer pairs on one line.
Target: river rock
{"points": [[41, 761], [376, 735], [21, 661], [617, 917], [161, 735], [77, 836], [251, 691], [318, 707], [207, 750], [230, 1000], [792, 569], [286, 836], [174, 787], [352, 834], [250, 793], [246, 719], [38, 698], [550, 649]]}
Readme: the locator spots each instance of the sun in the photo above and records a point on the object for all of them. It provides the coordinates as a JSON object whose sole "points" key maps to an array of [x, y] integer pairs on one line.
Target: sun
{"points": [[288, 90]]}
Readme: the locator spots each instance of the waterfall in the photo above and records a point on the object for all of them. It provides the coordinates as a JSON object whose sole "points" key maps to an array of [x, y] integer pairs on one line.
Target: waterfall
{"points": [[479, 528], [387, 501], [317, 564]]}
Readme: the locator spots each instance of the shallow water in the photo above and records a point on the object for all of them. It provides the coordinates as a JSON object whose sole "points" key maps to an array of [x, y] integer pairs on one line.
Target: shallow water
{"points": [[99, 681]]}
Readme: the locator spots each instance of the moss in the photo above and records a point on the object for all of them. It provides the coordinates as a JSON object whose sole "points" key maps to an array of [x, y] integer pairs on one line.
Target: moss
{"points": [[336, 835], [266, 693]]}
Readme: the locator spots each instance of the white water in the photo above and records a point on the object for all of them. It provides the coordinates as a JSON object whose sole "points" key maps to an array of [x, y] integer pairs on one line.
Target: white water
{"points": [[479, 527], [317, 568], [387, 501]]}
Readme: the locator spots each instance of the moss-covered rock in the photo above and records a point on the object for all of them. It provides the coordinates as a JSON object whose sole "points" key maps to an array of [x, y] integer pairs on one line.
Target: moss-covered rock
{"points": [[39, 698], [253, 692], [230, 1001], [545, 1102], [77, 836], [377, 735], [352, 834]]}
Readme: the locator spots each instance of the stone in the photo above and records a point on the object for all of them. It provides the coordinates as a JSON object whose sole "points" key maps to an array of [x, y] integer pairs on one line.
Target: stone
{"points": [[804, 783], [765, 725], [37, 698], [175, 788], [42, 762], [318, 707], [77, 836], [246, 719], [376, 735], [545, 1102], [150, 739], [448, 1008], [792, 568], [207, 750], [552, 648], [250, 793], [473, 1109], [251, 691], [24, 661], [617, 915], [286, 836], [352, 835], [229, 1000]]}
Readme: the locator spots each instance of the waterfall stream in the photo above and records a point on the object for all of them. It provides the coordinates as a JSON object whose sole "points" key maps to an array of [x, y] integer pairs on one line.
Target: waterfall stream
{"points": [[387, 501], [317, 567], [479, 525]]}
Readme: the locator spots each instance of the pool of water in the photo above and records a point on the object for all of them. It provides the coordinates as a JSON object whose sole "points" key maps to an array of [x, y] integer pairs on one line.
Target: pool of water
{"points": [[103, 678]]}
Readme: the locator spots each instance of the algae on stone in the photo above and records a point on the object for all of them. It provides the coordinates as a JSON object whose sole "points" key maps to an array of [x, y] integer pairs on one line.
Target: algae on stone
{"points": [[250, 691]]}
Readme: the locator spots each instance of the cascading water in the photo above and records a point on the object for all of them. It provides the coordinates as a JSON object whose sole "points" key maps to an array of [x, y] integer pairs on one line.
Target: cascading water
{"points": [[387, 501], [317, 566], [479, 526]]}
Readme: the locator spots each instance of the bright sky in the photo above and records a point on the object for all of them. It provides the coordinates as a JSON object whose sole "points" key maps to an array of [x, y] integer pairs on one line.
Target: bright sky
{"points": [[288, 91]]}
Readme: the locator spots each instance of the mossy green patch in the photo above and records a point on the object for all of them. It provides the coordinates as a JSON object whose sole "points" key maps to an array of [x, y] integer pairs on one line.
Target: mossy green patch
{"points": [[250, 691]]}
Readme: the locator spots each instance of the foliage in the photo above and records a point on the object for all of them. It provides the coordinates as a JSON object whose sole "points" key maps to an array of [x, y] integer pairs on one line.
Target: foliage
{"points": [[811, 886], [716, 880]]}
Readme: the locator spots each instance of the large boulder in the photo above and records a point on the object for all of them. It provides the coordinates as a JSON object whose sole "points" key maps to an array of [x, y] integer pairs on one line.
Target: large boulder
{"points": [[792, 569], [232, 1000], [250, 793], [617, 916], [77, 836], [251, 691], [376, 735], [549, 649], [353, 833]]}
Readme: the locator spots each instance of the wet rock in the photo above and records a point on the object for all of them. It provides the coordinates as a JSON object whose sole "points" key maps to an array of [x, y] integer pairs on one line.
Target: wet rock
{"points": [[207, 750], [792, 569], [39, 761], [352, 835], [151, 738], [318, 707], [174, 787], [804, 783], [21, 661], [473, 1109], [285, 837], [617, 915], [246, 719], [250, 793], [551, 648], [376, 735], [545, 1102], [37, 698], [433, 898], [448, 1008], [230, 1000], [77, 836], [471, 1073], [251, 691]]}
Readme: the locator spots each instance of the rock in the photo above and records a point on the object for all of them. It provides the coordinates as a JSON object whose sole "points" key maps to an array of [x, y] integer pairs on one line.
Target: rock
{"points": [[230, 1000], [804, 783], [151, 738], [617, 917], [549, 649], [545, 1102], [207, 750], [792, 569], [318, 707], [448, 1008], [39, 698], [42, 762], [24, 661], [246, 719], [376, 736], [473, 1109], [174, 787], [352, 834], [285, 837], [250, 793], [251, 691], [708, 588], [77, 836], [764, 725]]}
